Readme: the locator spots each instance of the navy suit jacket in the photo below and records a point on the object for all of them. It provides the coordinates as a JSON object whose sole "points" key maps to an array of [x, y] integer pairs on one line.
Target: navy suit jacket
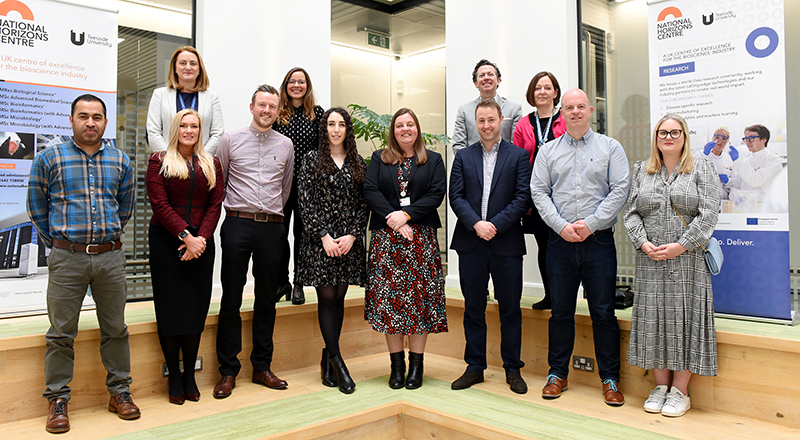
{"points": [[510, 197]]}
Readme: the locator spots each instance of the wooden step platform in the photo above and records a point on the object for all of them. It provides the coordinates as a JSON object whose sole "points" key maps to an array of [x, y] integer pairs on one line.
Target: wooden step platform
{"points": [[307, 409], [756, 387]]}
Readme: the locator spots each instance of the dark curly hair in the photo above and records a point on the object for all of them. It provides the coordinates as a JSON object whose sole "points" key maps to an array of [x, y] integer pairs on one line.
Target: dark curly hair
{"points": [[325, 163]]}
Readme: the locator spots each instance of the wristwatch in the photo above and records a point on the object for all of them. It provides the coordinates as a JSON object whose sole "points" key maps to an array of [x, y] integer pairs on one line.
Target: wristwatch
{"points": [[323, 232], [183, 234]]}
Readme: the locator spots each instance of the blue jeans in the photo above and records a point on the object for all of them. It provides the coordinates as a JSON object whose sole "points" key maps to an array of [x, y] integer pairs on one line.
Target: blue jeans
{"points": [[592, 262]]}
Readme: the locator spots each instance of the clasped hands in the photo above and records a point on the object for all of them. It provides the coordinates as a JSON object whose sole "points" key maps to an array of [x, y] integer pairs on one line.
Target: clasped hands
{"points": [[663, 252], [337, 247], [195, 246], [576, 232], [398, 221]]}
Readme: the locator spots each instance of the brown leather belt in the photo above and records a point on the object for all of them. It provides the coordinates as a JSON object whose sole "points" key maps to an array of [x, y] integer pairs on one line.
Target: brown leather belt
{"points": [[257, 216], [91, 249]]}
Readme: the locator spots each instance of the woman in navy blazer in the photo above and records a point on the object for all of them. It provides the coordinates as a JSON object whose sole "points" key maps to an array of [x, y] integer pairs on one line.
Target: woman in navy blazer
{"points": [[404, 186], [187, 87]]}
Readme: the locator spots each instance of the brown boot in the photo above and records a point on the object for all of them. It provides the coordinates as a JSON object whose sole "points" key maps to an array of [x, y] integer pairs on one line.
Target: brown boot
{"points": [[57, 417], [123, 405]]}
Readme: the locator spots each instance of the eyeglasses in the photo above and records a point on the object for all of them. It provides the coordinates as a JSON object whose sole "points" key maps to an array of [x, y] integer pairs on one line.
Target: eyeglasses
{"points": [[673, 134], [719, 137], [297, 81], [747, 139]]}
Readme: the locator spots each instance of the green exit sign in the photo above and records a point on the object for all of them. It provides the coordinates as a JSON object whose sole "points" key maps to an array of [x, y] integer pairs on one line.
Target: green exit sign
{"points": [[377, 40]]}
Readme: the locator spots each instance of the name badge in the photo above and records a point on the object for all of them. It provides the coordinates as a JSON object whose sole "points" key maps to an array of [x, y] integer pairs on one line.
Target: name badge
{"points": [[405, 201]]}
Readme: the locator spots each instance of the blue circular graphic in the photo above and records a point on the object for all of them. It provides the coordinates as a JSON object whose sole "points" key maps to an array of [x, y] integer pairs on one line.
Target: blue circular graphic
{"points": [[750, 44]]}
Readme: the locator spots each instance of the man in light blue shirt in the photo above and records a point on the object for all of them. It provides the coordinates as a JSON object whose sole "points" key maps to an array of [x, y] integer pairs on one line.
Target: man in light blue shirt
{"points": [[579, 184]]}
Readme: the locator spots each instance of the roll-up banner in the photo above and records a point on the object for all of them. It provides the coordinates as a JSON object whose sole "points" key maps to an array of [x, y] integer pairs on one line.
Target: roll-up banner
{"points": [[720, 65], [50, 53]]}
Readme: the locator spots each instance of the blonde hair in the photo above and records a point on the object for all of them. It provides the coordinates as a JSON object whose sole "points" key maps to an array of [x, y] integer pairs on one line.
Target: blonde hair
{"points": [[686, 164], [173, 165], [725, 130], [200, 84]]}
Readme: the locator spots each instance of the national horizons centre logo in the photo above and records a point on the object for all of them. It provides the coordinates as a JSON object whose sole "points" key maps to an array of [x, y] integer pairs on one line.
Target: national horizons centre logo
{"points": [[19, 33], [667, 29]]}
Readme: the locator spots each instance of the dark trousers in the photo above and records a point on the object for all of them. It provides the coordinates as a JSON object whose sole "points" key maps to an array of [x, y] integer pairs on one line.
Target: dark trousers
{"points": [[594, 263], [474, 268], [241, 239], [297, 231]]}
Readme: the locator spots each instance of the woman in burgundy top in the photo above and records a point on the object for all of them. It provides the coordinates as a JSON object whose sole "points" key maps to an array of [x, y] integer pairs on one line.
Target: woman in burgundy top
{"points": [[185, 186], [541, 126]]}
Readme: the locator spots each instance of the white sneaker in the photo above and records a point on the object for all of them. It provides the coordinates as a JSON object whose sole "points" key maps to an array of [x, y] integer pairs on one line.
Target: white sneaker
{"points": [[656, 401], [677, 404]]}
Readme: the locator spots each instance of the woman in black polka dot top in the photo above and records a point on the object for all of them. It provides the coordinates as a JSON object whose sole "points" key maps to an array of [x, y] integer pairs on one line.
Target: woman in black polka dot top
{"points": [[298, 119]]}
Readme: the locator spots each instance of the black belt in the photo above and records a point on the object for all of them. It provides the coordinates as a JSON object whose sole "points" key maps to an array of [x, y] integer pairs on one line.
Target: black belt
{"points": [[603, 230], [256, 216], [91, 249]]}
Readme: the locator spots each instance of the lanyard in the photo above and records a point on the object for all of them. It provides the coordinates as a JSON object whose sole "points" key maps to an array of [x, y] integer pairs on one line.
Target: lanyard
{"points": [[183, 103], [543, 139]]}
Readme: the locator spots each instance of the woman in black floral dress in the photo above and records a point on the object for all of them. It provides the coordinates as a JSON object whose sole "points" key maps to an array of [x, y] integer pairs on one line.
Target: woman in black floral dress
{"points": [[334, 212], [405, 184]]}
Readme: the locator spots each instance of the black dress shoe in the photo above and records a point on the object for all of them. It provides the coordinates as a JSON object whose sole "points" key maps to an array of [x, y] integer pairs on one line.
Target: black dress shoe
{"points": [[298, 296], [414, 379], [284, 292], [326, 371], [346, 384], [516, 381], [544, 304], [397, 378], [466, 380]]}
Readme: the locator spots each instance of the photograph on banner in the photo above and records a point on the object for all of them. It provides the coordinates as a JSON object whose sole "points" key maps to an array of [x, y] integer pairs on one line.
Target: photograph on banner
{"points": [[721, 65], [50, 53]]}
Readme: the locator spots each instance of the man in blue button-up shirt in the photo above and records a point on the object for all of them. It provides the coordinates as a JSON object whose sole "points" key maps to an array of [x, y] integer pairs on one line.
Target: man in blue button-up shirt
{"points": [[579, 185], [80, 196]]}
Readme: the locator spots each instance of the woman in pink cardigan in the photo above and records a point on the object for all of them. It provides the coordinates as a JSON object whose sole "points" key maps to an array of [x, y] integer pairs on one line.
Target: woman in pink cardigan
{"points": [[541, 126]]}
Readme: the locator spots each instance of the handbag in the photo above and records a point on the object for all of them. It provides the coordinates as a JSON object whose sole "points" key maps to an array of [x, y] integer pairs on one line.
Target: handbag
{"points": [[623, 297], [712, 251]]}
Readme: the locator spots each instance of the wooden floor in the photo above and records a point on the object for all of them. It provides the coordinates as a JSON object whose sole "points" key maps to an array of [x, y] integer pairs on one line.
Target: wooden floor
{"points": [[573, 408]]}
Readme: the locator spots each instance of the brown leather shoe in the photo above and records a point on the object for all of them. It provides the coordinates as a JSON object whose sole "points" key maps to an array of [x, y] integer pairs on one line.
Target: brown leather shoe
{"points": [[224, 387], [269, 380], [123, 405], [554, 387], [612, 394], [57, 417], [193, 397]]}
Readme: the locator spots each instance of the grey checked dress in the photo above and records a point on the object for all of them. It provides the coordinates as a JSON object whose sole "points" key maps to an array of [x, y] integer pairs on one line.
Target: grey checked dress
{"points": [[672, 325]]}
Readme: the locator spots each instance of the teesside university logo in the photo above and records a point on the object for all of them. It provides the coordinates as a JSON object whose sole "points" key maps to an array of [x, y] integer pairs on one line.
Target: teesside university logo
{"points": [[667, 29], [19, 33]]}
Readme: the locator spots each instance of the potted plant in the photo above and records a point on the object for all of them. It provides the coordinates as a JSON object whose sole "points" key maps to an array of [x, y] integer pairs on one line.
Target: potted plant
{"points": [[374, 128]]}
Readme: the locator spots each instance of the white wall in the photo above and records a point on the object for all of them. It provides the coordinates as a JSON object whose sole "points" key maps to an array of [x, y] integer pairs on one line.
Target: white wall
{"points": [[245, 46], [522, 38]]}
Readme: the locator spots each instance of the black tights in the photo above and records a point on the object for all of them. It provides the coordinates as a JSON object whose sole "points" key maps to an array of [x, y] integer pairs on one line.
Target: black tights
{"points": [[172, 346], [330, 308]]}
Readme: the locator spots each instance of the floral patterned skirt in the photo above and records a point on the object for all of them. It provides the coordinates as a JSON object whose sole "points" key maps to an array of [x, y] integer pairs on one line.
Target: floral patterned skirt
{"points": [[405, 283]]}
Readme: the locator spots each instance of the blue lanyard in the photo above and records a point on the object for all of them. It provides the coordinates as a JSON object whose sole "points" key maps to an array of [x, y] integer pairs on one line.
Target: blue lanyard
{"points": [[183, 104], [543, 139]]}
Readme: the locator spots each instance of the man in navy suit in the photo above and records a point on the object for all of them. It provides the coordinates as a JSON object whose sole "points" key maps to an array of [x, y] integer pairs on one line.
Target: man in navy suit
{"points": [[489, 193]]}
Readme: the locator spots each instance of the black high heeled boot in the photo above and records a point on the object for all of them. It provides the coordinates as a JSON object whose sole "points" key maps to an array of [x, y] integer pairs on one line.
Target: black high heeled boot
{"points": [[346, 384], [326, 372], [414, 379], [397, 378]]}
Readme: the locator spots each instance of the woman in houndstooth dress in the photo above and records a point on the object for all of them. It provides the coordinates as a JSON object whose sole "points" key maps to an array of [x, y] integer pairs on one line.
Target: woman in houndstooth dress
{"points": [[672, 326]]}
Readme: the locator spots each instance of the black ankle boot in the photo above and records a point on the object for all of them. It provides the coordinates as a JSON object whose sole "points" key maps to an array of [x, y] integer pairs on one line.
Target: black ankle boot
{"points": [[326, 372], [414, 379], [397, 378], [346, 384]]}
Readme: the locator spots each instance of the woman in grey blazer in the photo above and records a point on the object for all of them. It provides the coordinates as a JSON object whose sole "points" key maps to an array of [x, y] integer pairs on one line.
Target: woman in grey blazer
{"points": [[187, 87]]}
